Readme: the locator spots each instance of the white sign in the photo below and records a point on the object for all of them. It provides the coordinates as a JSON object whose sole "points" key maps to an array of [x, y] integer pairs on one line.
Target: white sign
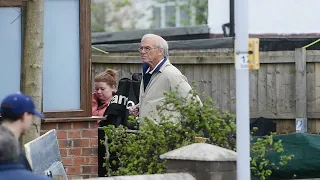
{"points": [[242, 61], [301, 125]]}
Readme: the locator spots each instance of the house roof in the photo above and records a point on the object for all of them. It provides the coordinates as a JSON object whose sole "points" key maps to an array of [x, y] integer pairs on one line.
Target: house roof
{"points": [[195, 37], [134, 36]]}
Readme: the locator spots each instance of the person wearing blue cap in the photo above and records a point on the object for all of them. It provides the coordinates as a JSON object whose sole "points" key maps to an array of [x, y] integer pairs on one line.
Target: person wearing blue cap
{"points": [[17, 111], [10, 168]]}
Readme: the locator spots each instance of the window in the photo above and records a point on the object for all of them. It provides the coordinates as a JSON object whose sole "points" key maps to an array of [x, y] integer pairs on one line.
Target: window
{"points": [[61, 63], [170, 16], [67, 62], [10, 43], [176, 13], [157, 16], [67, 55], [185, 17]]}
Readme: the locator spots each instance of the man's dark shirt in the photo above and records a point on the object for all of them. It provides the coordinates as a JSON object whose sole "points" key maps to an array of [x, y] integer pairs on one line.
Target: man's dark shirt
{"points": [[147, 76]]}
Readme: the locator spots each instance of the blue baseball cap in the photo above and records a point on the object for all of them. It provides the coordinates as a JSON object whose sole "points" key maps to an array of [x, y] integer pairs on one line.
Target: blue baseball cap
{"points": [[18, 104]]}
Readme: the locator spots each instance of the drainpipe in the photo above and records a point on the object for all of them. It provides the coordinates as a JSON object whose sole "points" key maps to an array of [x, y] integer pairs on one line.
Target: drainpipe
{"points": [[242, 89], [231, 17]]}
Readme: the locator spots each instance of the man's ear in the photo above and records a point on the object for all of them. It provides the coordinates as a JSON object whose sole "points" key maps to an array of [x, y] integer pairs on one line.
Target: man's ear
{"points": [[23, 117]]}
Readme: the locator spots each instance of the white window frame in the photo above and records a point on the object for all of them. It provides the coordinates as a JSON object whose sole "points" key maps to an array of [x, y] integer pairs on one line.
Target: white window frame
{"points": [[177, 4]]}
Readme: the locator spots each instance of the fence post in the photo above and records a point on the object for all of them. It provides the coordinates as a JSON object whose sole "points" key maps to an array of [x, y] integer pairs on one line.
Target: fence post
{"points": [[301, 89], [204, 161]]}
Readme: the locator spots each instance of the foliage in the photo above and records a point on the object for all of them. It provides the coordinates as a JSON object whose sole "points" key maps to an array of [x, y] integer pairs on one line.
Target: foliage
{"points": [[192, 12], [260, 164], [114, 15], [117, 15], [139, 152], [201, 14], [98, 19]]}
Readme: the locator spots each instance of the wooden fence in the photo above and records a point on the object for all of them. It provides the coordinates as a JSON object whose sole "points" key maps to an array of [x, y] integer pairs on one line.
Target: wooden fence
{"points": [[286, 86]]}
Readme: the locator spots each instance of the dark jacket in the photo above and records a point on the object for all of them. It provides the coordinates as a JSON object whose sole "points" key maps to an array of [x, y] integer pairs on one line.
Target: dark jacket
{"points": [[117, 114], [15, 171], [22, 157], [23, 160], [126, 96]]}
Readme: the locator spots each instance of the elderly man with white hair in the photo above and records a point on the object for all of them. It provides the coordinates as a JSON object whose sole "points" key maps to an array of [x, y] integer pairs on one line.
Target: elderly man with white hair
{"points": [[159, 76]]}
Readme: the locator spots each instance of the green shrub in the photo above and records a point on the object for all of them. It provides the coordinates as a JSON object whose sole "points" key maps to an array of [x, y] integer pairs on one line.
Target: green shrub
{"points": [[139, 152], [260, 164]]}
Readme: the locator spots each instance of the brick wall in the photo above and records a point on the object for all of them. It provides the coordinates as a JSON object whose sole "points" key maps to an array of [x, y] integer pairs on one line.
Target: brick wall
{"points": [[78, 143]]}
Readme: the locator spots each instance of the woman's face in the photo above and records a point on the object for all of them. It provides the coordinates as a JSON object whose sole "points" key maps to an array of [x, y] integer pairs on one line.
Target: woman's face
{"points": [[104, 91]]}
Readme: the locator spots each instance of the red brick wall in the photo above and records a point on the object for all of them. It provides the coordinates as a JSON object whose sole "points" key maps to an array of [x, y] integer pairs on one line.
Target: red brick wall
{"points": [[78, 143]]}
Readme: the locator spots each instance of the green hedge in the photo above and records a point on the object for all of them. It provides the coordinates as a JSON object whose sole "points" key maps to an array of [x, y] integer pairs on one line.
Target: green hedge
{"points": [[139, 152]]}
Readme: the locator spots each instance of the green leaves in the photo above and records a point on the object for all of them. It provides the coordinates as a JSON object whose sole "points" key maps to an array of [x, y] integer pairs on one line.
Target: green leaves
{"points": [[139, 152], [260, 165]]}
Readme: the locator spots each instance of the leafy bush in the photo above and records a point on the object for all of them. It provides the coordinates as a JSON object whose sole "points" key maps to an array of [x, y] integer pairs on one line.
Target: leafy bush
{"points": [[139, 153], [260, 164]]}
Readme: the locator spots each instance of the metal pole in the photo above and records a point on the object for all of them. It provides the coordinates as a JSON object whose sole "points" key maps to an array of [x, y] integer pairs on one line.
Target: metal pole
{"points": [[242, 90]]}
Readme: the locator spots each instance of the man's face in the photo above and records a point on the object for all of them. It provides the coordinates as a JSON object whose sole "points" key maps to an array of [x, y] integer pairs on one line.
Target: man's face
{"points": [[148, 50], [26, 122]]}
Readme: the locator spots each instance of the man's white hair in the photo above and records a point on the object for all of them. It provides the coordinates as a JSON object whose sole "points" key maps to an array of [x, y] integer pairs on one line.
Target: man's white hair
{"points": [[161, 43]]}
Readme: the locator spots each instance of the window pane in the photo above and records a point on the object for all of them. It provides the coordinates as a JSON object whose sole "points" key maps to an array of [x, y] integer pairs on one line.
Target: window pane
{"points": [[10, 51], [61, 69], [170, 16], [156, 17], [184, 15]]}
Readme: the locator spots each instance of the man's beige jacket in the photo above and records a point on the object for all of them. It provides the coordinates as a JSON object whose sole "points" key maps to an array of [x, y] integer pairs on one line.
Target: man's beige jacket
{"points": [[168, 78]]}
